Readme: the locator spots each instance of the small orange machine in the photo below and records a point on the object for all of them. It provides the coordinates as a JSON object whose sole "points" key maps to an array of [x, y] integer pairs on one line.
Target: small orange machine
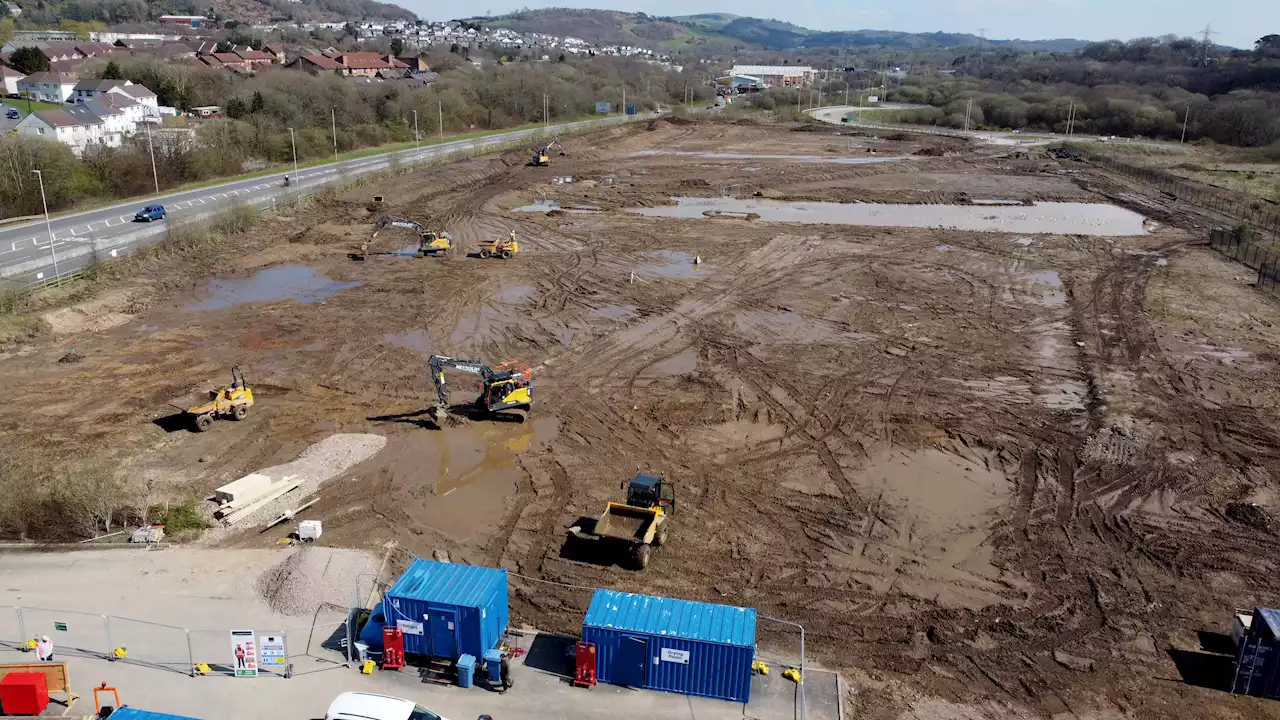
{"points": [[392, 648]]}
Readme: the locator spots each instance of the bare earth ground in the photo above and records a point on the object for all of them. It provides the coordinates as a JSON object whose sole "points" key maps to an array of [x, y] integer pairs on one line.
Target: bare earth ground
{"points": [[990, 473]]}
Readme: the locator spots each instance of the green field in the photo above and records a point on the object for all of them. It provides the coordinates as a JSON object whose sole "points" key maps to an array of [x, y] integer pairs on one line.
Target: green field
{"points": [[36, 105]]}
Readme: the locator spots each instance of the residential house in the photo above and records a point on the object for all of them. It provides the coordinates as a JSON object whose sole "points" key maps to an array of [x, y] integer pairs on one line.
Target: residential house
{"points": [[170, 51], [206, 111], [9, 79], [314, 64], [48, 86], [365, 64], [419, 79], [76, 126], [254, 57], [227, 61], [415, 63], [88, 89], [66, 67], [94, 49], [119, 117], [143, 97], [275, 51]]}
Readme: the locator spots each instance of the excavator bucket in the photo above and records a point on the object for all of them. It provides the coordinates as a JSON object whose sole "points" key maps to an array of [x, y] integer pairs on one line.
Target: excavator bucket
{"points": [[444, 417]]}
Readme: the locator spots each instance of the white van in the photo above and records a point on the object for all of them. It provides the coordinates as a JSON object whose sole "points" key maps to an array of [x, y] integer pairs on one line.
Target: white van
{"points": [[368, 706]]}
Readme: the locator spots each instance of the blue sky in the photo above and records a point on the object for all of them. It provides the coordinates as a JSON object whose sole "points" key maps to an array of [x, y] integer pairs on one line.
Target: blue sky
{"points": [[1235, 22]]}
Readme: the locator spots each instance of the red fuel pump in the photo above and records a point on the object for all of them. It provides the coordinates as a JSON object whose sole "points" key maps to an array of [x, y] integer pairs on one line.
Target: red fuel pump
{"points": [[584, 665], [392, 648]]}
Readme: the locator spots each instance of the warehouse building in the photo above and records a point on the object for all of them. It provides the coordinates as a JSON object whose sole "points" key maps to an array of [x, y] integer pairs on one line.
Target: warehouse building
{"points": [[680, 646], [778, 75]]}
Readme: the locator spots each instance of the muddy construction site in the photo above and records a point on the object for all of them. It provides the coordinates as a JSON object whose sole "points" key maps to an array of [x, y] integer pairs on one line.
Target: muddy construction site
{"points": [[1008, 451]]}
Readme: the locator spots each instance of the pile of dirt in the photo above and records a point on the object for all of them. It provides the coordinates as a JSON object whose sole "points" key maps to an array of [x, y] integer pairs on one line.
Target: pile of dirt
{"points": [[1251, 514], [930, 152], [311, 577]]}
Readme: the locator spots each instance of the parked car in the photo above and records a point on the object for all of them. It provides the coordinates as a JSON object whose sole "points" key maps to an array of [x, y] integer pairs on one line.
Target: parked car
{"points": [[149, 213], [369, 706], [12, 113]]}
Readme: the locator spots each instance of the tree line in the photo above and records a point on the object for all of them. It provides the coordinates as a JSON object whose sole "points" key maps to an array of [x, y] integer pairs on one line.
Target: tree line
{"points": [[262, 108]]}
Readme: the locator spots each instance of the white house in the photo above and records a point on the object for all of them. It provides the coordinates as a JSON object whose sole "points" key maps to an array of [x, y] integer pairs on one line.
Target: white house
{"points": [[142, 96], [89, 88], [76, 126], [48, 86], [120, 117], [9, 79]]}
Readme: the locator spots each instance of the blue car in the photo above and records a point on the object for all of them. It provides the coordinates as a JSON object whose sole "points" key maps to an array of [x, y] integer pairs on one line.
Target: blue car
{"points": [[149, 213]]}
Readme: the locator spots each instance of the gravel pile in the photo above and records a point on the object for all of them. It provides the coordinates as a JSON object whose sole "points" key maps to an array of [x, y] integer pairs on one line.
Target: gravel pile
{"points": [[312, 576], [318, 464]]}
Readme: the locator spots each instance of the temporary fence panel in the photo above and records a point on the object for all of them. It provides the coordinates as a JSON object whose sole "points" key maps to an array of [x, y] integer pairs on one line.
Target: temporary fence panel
{"points": [[446, 610], [148, 643], [11, 630], [674, 645], [279, 651], [74, 633]]}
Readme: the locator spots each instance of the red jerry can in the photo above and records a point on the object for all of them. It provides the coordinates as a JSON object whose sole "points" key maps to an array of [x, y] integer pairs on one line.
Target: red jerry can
{"points": [[584, 665], [392, 648]]}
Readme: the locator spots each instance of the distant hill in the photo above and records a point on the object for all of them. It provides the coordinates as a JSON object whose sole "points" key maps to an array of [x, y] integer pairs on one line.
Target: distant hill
{"points": [[725, 31], [113, 13]]}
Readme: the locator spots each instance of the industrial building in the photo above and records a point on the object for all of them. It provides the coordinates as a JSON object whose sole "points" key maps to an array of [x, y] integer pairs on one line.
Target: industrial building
{"points": [[680, 646], [777, 75]]}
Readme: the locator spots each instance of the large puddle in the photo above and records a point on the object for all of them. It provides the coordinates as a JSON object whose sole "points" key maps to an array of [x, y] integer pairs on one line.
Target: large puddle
{"points": [[669, 264], [835, 160], [545, 206], [286, 282], [1059, 218]]}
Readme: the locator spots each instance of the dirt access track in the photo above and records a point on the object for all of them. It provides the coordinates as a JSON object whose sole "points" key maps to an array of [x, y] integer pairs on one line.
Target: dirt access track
{"points": [[994, 472]]}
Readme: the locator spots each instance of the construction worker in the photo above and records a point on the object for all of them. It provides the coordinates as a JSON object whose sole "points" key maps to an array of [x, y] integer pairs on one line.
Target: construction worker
{"points": [[504, 672], [44, 649]]}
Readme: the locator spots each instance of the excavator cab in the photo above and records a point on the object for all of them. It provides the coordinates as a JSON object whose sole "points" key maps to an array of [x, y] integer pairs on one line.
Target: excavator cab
{"points": [[434, 243]]}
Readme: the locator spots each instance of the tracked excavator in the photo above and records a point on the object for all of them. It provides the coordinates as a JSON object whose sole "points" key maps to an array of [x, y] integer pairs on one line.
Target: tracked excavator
{"points": [[542, 156], [507, 387], [430, 242]]}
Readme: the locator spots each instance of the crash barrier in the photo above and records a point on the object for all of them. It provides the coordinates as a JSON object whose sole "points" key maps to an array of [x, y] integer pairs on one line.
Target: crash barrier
{"points": [[1241, 247], [281, 652]]}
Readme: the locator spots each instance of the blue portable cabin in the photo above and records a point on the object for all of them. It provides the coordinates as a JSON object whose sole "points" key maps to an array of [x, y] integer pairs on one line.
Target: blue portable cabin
{"points": [[448, 610], [1258, 657], [680, 646], [127, 713]]}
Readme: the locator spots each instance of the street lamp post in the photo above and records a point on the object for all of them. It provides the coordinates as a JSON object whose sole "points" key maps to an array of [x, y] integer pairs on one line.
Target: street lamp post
{"points": [[440, 115], [333, 119], [152, 149], [416, 142], [293, 140], [48, 226]]}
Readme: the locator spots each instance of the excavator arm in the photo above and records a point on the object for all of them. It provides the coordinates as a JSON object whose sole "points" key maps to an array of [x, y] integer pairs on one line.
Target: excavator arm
{"points": [[429, 241], [507, 386]]}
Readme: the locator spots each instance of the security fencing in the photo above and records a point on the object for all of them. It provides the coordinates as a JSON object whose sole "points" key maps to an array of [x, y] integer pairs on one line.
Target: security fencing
{"points": [[1254, 212], [1243, 247], [279, 651]]}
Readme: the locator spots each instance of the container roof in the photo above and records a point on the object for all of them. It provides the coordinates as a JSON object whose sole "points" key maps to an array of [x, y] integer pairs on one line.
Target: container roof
{"points": [[1271, 618], [128, 713], [449, 583], [669, 617]]}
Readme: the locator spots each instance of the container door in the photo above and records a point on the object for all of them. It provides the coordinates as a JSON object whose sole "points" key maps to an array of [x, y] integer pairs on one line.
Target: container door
{"points": [[444, 633], [630, 662]]}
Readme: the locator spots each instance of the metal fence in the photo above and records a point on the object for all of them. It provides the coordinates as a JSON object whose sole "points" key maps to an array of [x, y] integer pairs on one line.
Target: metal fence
{"points": [[1239, 246], [322, 645], [1257, 214]]}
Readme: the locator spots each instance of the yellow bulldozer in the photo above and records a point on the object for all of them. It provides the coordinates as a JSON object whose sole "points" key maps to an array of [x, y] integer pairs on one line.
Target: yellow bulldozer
{"points": [[500, 248], [233, 401]]}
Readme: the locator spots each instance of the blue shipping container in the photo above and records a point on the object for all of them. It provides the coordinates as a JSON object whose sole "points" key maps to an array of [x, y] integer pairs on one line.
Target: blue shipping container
{"points": [[127, 713], [631, 109], [1258, 657], [448, 610], [674, 645]]}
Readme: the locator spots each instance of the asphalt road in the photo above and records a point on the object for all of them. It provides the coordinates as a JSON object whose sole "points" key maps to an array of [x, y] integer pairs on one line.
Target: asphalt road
{"points": [[28, 255]]}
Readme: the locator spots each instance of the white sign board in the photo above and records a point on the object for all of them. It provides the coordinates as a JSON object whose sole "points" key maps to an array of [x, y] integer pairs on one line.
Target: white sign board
{"points": [[873, 98], [274, 654], [244, 653], [675, 656], [409, 627]]}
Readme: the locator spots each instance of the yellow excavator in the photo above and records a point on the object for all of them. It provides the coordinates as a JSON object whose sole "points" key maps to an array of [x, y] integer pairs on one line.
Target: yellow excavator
{"points": [[542, 156], [233, 401], [508, 386], [430, 242], [500, 248]]}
